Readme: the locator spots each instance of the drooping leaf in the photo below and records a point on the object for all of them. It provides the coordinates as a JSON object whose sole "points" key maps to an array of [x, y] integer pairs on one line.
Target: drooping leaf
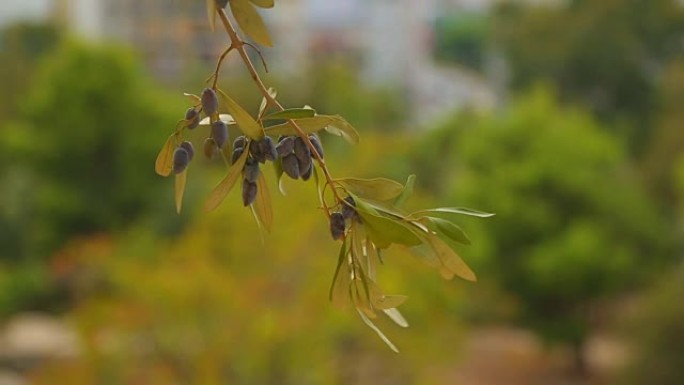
{"points": [[384, 302], [291, 113], [406, 192], [211, 13], [250, 21], [334, 124], [341, 127], [263, 3], [164, 162], [219, 193], [225, 118], [262, 204], [450, 259], [379, 189], [341, 258], [193, 99], [425, 253], [382, 336], [180, 189], [244, 120], [396, 316], [450, 230], [455, 210], [384, 231]]}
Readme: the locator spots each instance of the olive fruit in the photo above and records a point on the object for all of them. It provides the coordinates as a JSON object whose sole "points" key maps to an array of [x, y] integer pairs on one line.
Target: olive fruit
{"points": [[237, 152], [336, 225], [240, 141], [291, 166], [268, 148], [301, 150], [209, 101], [192, 118], [255, 150], [306, 175], [251, 170], [249, 192], [348, 210], [316, 142], [181, 158], [219, 132], [189, 148], [209, 148], [305, 165], [285, 146]]}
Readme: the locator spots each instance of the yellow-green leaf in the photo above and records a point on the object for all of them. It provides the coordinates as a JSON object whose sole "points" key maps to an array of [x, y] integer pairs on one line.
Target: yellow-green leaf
{"points": [[291, 113], [455, 210], [180, 189], [219, 193], [382, 336], [406, 192], [193, 99], [450, 230], [250, 21], [262, 204], [264, 103], [379, 189], [211, 13], [384, 231], [226, 118], [341, 127], [263, 3], [383, 302], [341, 259], [243, 119], [396, 316], [450, 259], [164, 163], [308, 125]]}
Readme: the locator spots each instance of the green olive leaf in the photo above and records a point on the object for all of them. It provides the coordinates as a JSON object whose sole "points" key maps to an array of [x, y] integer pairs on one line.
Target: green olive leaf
{"points": [[396, 316], [164, 162], [454, 210], [406, 192], [384, 231], [262, 203], [382, 336], [193, 99], [334, 124], [219, 193], [264, 102], [450, 259], [225, 118], [211, 13], [244, 120], [341, 258], [181, 178], [250, 21], [291, 113], [450, 230], [379, 189]]}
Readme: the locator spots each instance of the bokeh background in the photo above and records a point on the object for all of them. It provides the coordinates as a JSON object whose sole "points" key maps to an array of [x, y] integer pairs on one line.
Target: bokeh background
{"points": [[566, 118]]}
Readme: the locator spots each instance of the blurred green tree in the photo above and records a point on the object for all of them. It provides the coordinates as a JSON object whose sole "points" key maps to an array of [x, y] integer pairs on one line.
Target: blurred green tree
{"points": [[77, 160], [572, 225], [606, 54]]}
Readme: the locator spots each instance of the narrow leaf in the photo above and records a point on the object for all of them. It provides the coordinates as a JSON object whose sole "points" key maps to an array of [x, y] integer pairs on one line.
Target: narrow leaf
{"points": [[341, 127], [291, 113], [406, 192], [388, 301], [226, 118], [425, 253], [450, 230], [193, 99], [450, 259], [455, 210], [180, 189], [219, 193], [308, 125], [243, 119], [371, 325], [379, 189], [263, 3], [164, 163], [211, 13], [264, 103], [384, 231], [262, 204], [396, 316], [250, 22], [341, 258]]}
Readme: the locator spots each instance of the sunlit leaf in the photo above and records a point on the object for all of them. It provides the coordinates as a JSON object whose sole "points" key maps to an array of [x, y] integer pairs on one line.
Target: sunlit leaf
{"points": [[406, 192], [341, 127], [450, 230], [291, 113], [378, 331], [250, 21], [219, 193], [334, 124], [262, 204], [396, 316], [425, 253], [226, 118], [180, 189], [384, 302], [164, 163], [244, 120], [450, 259], [211, 13], [455, 210], [379, 189], [263, 3]]}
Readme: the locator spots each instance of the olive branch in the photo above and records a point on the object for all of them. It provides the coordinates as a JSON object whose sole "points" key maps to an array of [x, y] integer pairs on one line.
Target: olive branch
{"points": [[365, 215]]}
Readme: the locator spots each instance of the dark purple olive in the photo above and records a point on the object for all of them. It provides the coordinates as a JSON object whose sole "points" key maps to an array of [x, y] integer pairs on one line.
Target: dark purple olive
{"points": [[219, 132], [249, 192], [336, 226], [209, 101], [181, 158], [316, 142], [192, 118], [189, 148], [285, 146], [251, 170], [268, 148], [291, 166], [237, 152]]}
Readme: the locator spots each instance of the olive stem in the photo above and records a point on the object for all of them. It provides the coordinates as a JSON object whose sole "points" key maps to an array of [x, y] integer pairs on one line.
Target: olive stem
{"points": [[239, 45]]}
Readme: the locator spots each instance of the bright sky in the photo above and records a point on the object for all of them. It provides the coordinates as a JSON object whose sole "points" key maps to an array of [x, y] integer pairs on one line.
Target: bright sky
{"points": [[12, 10]]}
